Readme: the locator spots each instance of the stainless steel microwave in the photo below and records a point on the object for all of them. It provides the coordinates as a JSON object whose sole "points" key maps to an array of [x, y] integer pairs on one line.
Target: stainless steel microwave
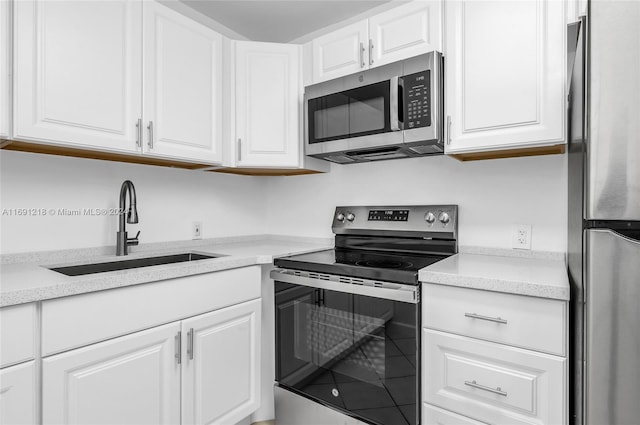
{"points": [[392, 111]]}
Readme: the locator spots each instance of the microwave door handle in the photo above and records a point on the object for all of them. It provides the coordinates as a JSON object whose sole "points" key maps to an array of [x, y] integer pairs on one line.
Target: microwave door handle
{"points": [[393, 107]]}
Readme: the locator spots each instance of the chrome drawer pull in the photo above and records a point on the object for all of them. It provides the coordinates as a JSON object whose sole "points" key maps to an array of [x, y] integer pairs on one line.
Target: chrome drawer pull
{"points": [[487, 318], [474, 384]]}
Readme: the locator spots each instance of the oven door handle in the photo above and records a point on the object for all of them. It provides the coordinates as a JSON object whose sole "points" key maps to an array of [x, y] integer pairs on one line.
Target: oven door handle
{"points": [[393, 107], [386, 290]]}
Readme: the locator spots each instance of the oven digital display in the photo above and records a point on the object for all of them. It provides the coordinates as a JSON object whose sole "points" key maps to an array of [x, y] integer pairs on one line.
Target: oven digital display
{"points": [[388, 215]]}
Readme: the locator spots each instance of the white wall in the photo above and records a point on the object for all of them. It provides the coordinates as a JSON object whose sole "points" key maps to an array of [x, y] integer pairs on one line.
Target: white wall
{"points": [[169, 201], [492, 195]]}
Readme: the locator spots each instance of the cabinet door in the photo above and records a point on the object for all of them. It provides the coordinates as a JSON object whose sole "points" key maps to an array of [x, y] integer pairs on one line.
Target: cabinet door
{"points": [[78, 72], [18, 334], [133, 379], [18, 395], [505, 74], [5, 64], [221, 379], [405, 31], [268, 104], [182, 86], [493, 383], [341, 52]]}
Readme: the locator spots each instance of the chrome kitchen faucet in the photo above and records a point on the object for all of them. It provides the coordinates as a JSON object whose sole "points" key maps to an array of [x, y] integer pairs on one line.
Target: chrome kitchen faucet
{"points": [[122, 241]]}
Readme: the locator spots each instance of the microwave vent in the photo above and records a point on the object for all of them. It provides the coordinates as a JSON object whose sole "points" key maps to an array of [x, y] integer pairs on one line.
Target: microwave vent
{"points": [[339, 159], [426, 149]]}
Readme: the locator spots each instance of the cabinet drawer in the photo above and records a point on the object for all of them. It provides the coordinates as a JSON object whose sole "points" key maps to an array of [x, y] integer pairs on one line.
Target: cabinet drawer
{"points": [[17, 333], [18, 395], [528, 322], [493, 383], [72, 322], [432, 415]]}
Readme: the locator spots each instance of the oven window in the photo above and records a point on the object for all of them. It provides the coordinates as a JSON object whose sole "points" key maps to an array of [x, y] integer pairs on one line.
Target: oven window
{"points": [[353, 352], [356, 112]]}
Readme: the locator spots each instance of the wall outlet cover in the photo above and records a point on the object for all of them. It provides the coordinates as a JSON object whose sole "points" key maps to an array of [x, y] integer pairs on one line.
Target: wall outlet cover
{"points": [[521, 236], [197, 230]]}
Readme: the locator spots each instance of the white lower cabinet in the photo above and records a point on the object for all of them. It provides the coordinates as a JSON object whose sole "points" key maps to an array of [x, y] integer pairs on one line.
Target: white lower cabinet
{"points": [[202, 370], [493, 382], [485, 361], [131, 379], [435, 415], [221, 378], [18, 394]]}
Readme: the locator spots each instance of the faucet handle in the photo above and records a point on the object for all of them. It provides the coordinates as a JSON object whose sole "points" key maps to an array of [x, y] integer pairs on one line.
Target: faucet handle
{"points": [[133, 241]]}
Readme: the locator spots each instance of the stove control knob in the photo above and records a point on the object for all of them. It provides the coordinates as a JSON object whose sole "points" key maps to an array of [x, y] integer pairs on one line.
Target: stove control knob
{"points": [[340, 217], [444, 217], [429, 217], [351, 217]]}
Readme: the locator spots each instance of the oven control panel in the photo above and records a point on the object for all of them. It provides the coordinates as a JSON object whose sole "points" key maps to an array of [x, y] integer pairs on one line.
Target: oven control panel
{"points": [[388, 215], [430, 220]]}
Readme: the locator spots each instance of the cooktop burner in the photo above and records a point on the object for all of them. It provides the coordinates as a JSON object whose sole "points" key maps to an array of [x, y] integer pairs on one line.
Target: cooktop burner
{"points": [[391, 267]]}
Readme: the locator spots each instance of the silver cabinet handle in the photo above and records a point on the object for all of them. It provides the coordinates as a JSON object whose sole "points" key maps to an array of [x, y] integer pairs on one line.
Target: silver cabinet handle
{"points": [[190, 344], [239, 149], [474, 384], [487, 318], [150, 128], [370, 51], [362, 55], [178, 341], [139, 133], [448, 129]]}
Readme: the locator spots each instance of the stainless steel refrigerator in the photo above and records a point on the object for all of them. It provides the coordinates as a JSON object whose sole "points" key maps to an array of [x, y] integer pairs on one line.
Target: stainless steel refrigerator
{"points": [[604, 213]]}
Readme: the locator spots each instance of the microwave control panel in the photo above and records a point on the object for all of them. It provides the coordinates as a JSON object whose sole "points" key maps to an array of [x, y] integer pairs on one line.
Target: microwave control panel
{"points": [[417, 95]]}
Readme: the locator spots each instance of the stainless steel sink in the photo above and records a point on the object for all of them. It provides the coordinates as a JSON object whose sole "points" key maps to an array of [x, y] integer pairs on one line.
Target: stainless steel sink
{"points": [[131, 264]]}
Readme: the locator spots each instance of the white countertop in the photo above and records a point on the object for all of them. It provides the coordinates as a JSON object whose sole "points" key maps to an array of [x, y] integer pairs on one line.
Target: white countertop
{"points": [[537, 277], [26, 277]]}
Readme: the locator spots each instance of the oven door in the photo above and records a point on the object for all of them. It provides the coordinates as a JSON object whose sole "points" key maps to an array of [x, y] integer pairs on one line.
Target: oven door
{"points": [[340, 121], [356, 352]]}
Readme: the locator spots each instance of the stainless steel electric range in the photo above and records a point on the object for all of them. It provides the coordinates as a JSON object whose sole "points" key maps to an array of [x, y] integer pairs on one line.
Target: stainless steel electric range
{"points": [[348, 318]]}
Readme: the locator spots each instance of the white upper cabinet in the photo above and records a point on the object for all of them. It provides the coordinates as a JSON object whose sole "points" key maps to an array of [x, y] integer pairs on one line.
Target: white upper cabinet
{"points": [[78, 72], [341, 52], [399, 33], [505, 75], [268, 96], [575, 9], [80, 68], [182, 86], [5, 67], [405, 31]]}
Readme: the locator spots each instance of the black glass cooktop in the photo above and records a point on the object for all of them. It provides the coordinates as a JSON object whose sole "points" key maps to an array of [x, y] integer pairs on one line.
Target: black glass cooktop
{"points": [[390, 267]]}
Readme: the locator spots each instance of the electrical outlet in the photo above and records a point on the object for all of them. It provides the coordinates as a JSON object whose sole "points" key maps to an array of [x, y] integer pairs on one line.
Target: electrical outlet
{"points": [[521, 236], [197, 230]]}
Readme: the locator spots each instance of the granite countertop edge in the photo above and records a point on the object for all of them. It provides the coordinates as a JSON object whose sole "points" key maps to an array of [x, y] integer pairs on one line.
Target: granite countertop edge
{"points": [[26, 278], [512, 275]]}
